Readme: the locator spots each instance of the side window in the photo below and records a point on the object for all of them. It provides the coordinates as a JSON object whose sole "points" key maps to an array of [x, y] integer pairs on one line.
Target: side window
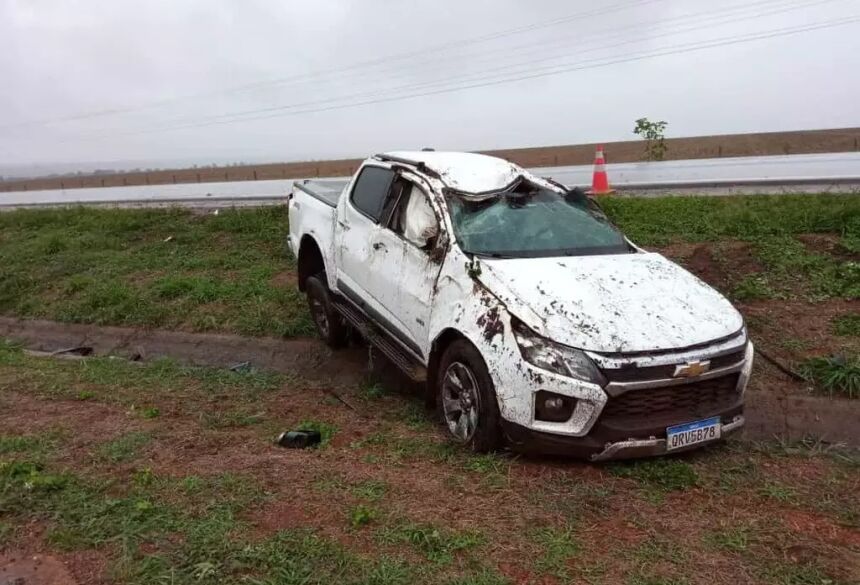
{"points": [[414, 218], [370, 191]]}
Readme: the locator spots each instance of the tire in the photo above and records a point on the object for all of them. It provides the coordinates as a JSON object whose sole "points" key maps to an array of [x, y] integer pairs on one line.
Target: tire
{"points": [[477, 428], [329, 323]]}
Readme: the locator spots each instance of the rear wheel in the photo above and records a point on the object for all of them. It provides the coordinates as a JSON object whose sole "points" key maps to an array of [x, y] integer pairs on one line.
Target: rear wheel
{"points": [[329, 323], [466, 399]]}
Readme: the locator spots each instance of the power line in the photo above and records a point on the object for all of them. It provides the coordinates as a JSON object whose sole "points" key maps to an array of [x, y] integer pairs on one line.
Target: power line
{"points": [[678, 49], [509, 69], [358, 65], [542, 47]]}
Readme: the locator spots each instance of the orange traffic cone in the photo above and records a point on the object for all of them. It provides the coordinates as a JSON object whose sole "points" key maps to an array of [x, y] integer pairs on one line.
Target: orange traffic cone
{"points": [[599, 181]]}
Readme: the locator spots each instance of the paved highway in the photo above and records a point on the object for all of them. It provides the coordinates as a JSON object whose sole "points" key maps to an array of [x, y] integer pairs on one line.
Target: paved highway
{"points": [[839, 172]]}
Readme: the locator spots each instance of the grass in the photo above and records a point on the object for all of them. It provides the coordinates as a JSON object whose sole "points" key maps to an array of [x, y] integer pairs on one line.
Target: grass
{"points": [[735, 539], [362, 515], [326, 430], [230, 272], [847, 325], [217, 273], [836, 376], [790, 270], [215, 547], [125, 447], [32, 445], [218, 398], [371, 490], [436, 544], [753, 287], [661, 220], [662, 475], [790, 265], [557, 546]]}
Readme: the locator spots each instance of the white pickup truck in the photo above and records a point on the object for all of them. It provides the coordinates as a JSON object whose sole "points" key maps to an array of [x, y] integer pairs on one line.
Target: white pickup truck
{"points": [[534, 322]]}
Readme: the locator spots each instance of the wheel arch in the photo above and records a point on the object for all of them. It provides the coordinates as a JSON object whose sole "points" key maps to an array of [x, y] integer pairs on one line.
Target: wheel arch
{"points": [[310, 260], [444, 339]]}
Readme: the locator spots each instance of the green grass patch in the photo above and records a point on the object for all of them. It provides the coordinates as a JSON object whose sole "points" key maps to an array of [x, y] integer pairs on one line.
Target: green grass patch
{"points": [[557, 547], [125, 447], [31, 445], [192, 523], [6, 533], [791, 270], [217, 397], [660, 220], [847, 325], [216, 273], [371, 490], [362, 515], [753, 287], [150, 412], [790, 265], [659, 474], [651, 579], [371, 390], [735, 539], [481, 577], [232, 418], [836, 376], [778, 491], [326, 430], [80, 513], [436, 544]]}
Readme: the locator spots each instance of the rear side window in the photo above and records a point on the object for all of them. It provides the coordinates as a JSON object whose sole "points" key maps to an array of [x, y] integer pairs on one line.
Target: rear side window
{"points": [[371, 189]]}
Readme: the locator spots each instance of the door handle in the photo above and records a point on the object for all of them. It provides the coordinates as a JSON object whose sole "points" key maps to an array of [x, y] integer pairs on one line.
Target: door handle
{"points": [[379, 246], [344, 226]]}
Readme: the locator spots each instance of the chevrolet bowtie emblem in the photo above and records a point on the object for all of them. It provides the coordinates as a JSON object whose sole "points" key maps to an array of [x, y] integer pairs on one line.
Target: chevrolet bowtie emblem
{"points": [[692, 369]]}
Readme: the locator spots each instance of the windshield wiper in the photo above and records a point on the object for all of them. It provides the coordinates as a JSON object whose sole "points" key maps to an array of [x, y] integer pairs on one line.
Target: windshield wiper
{"points": [[493, 255]]}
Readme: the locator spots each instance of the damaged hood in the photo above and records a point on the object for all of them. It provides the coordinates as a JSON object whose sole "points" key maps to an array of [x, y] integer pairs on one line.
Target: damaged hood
{"points": [[614, 303]]}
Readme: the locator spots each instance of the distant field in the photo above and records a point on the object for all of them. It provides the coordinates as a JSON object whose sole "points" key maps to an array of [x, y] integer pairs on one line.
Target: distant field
{"points": [[729, 145]]}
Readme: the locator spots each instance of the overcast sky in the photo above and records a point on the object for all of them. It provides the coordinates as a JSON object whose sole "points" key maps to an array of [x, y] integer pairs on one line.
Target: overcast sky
{"points": [[252, 80]]}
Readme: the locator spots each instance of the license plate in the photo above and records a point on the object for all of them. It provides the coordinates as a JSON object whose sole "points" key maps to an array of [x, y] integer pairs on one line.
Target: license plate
{"points": [[691, 433]]}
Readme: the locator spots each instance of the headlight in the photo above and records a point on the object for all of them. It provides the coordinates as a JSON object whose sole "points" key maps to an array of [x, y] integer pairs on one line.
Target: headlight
{"points": [[555, 357]]}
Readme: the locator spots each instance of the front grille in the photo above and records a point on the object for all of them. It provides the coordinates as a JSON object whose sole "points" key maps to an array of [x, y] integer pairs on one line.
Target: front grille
{"points": [[634, 374], [682, 402]]}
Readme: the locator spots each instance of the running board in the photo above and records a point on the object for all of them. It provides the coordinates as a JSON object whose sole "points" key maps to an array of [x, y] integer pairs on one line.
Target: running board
{"points": [[381, 341]]}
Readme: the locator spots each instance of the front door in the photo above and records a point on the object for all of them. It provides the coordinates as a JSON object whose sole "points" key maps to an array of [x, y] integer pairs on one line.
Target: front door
{"points": [[411, 273]]}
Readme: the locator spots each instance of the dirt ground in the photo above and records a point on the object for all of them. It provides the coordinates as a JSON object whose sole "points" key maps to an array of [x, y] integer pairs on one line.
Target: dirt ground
{"points": [[746, 516], [730, 145]]}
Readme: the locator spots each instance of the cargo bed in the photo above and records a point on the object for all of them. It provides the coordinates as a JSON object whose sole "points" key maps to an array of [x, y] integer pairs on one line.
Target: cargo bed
{"points": [[328, 191]]}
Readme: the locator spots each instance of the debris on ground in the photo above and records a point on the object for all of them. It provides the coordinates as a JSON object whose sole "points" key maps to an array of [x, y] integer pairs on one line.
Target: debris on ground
{"points": [[299, 439]]}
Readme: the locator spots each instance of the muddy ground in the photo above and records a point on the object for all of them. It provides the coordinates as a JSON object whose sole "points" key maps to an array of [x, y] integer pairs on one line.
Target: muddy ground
{"points": [[153, 458], [779, 406]]}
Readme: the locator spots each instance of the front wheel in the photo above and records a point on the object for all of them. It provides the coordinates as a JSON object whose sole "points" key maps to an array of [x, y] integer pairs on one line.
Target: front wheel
{"points": [[328, 321], [466, 399]]}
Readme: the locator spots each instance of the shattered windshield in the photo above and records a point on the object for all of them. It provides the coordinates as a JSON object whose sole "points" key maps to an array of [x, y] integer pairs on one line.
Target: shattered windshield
{"points": [[531, 221]]}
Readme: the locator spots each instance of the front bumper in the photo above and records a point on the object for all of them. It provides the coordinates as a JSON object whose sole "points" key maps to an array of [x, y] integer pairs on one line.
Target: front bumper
{"points": [[632, 422], [604, 444]]}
